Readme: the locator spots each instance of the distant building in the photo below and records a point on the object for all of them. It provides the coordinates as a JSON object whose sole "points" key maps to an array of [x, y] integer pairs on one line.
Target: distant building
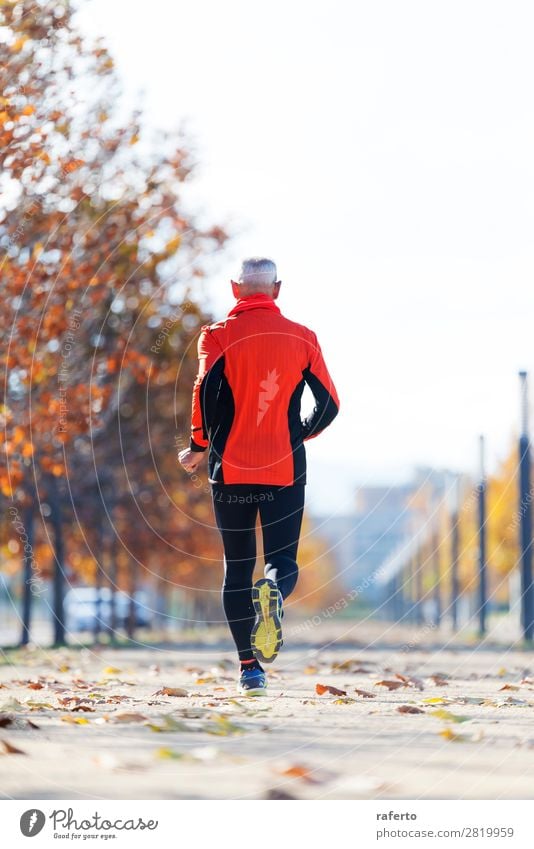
{"points": [[384, 518]]}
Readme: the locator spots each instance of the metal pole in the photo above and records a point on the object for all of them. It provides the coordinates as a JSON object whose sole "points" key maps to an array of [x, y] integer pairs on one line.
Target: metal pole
{"points": [[455, 556], [525, 512], [418, 566], [437, 577], [482, 569]]}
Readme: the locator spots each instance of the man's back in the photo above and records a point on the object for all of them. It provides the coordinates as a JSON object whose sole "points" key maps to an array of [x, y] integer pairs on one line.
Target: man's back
{"points": [[256, 363], [253, 367]]}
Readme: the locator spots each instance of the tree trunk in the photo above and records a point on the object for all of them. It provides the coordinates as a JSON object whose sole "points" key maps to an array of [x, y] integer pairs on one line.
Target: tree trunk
{"points": [[130, 623], [112, 573], [59, 561], [27, 595]]}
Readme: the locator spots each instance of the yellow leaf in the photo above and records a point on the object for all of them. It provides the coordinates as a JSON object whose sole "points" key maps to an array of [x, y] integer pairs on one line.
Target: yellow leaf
{"points": [[17, 46], [75, 720], [111, 670], [449, 717], [173, 245], [448, 734], [169, 753]]}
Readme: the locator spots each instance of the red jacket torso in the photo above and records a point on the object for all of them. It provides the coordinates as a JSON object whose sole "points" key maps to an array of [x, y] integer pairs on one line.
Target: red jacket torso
{"points": [[246, 400]]}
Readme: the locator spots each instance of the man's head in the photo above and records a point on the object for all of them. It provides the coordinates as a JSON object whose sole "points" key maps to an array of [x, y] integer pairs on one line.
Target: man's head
{"points": [[257, 276]]}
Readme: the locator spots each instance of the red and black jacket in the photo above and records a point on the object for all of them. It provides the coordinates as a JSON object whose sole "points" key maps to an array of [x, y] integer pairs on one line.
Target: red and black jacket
{"points": [[253, 367]]}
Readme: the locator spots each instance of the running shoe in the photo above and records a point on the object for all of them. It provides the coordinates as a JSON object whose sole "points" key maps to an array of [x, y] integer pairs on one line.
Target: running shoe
{"points": [[266, 637], [253, 682]]}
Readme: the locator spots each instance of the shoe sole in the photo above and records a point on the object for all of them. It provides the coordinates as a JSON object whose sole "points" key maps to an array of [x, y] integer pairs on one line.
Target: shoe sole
{"points": [[266, 637], [260, 691]]}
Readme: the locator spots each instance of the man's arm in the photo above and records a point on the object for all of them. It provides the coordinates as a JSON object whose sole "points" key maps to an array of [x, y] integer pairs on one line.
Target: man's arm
{"points": [[322, 386], [209, 353]]}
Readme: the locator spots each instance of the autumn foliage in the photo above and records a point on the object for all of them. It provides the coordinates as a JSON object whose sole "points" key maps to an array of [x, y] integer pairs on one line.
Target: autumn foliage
{"points": [[102, 266]]}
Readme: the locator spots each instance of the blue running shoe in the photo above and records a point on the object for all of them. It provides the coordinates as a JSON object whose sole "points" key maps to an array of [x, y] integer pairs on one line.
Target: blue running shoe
{"points": [[253, 682]]}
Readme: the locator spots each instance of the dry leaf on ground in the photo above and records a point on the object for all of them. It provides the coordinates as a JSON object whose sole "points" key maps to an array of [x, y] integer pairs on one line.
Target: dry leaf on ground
{"points": [[448, 716], [171, 691], [321, 689], [410, 681], [409, 709], [9, 749], [365, 694], [128, 717], [391, 685]]}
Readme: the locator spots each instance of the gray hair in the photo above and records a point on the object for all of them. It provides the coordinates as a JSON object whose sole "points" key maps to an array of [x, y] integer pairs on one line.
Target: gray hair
{"points": [[257, 273]]}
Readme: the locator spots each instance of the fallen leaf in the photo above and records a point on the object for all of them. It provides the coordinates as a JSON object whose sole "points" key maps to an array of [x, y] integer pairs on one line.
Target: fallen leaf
{"points": [[5, 720], [409, 709], [11, 750], [410, 681], [344, 700], [169, 724], [448, 734], [111, 670], [35, 685], [365, 694], [391, 685], [321, 689], [303, 773], [171, 691], [436, 700], [129, 717], [169, 754], [508, 687], [354, 665], [74, 720], [439, 681], [221, 726], [449, 717]]}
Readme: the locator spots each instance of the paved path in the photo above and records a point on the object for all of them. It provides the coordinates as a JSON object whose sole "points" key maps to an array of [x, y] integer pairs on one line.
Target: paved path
{"points": [[106, 731]]}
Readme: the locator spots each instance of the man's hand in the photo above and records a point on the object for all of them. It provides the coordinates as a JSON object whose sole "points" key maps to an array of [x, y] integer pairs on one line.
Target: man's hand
{"points": [[190, 460]]}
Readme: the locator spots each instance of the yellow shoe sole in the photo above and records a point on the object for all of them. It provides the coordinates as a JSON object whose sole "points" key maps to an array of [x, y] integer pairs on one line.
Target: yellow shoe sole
{"points": [[266, 638]]}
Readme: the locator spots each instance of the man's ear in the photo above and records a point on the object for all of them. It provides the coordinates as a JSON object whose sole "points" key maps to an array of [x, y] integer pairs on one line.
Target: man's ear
{"points": [[276, 289], [235, 290]]}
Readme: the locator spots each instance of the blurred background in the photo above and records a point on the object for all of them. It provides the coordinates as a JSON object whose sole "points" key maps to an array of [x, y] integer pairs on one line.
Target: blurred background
{"points": [[144, 151]]}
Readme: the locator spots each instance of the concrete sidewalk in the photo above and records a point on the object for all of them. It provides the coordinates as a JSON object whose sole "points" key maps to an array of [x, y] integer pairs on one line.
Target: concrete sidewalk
{"points": [[450, 723]]}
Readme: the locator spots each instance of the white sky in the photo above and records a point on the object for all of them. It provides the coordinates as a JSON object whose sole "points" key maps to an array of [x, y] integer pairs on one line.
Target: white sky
{"points": [[383, 154]]}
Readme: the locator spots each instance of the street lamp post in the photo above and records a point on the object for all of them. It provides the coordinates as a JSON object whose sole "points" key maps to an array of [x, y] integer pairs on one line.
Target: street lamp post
{"points": [[525, 512], [455, 550], [482, 570], [437, 576]]}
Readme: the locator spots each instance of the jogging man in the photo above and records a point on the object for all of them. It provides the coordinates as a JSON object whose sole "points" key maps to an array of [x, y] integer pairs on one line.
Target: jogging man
{"points": [[253, 366]]}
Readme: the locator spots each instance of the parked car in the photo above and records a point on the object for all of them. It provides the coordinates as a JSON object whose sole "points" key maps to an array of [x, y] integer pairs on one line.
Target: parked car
{"points": [[143, 613], [84, 606]]}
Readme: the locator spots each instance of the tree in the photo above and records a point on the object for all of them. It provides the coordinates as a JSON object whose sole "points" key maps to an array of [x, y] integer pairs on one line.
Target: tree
{"points": [[93, 232]]}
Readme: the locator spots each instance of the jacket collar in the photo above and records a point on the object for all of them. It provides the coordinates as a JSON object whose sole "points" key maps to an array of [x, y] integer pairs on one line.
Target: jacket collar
{"points": [[260, 301]]}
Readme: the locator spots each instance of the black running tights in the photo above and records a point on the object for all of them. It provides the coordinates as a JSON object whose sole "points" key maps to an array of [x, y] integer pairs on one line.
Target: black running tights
{"points": [[236, 508]]}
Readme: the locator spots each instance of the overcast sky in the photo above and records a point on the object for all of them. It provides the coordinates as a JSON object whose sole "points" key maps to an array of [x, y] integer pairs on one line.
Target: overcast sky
{"points": [[383, 154]]}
